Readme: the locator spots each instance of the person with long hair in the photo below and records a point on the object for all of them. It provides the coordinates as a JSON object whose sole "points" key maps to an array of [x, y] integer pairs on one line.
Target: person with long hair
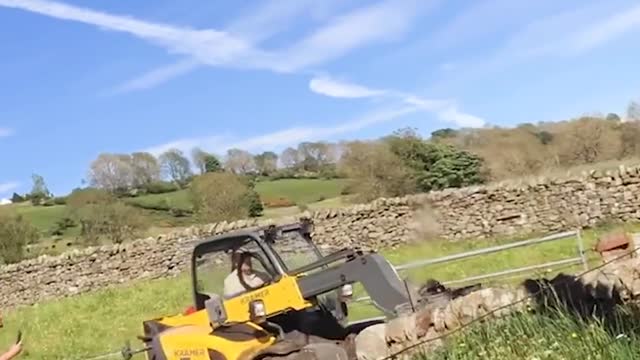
{"points": [[242, 275]]}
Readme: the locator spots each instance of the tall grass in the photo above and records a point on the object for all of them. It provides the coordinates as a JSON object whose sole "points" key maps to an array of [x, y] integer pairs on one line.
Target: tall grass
{"points": [[553, 335]]}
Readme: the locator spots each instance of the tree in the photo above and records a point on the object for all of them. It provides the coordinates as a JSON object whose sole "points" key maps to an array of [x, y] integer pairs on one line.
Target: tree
{"points": [[205, 162], [445, 133], [509, 153], [436, 165], [16, 198], [145, 169], [197, 157], [220, 196], [314, 155], [449, 167], [266, 163], [112, 172], [239, 161], [630, 139], [252, 199], [15, 234], [39, 190], [290, 158], [545, 137], [212, 164], [633, 111], [587, 140], [375, 171], [176, 166], [612, 117]]}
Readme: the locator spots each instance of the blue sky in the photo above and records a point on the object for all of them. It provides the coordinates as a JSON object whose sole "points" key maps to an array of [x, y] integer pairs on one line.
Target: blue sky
{"points": [[84, 77]]}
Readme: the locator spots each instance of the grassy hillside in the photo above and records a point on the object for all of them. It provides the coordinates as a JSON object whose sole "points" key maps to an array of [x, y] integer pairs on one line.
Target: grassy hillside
{"points": [[313, 193], [84, 326], [297, 191]]}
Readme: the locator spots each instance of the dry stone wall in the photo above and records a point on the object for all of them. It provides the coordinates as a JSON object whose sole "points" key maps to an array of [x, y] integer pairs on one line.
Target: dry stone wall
{"points": [[541, 206]]}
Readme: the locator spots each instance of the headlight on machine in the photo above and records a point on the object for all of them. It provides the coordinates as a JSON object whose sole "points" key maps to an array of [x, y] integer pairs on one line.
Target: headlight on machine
{"points": [[257, 311], [346, 292]]}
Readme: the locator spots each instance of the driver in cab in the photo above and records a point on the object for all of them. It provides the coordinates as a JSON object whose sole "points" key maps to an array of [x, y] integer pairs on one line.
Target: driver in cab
{"points": [[242, 266]]}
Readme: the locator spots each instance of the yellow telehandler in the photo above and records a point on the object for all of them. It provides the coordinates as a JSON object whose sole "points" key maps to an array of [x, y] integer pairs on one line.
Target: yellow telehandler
{"points": [[290, 300]]}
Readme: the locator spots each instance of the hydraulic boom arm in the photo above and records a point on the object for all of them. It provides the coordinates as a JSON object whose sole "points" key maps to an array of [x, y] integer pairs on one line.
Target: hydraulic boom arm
{"points": [[380, 280]]}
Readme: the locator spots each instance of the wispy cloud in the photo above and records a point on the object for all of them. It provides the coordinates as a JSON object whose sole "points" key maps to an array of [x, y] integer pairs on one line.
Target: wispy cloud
{"points": [[8, 186], [6, 132], [445, 110], [553, 31], [287, 137], [609, 28], [383, 21], [208, 46], [156, 77]]}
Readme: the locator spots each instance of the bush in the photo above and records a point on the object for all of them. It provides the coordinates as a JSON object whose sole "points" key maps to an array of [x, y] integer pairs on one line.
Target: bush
{"points": [[376, 171], [162, 205], [179, 212], [278, 202], [62, 225], [220, 196], [347, 190], [160, 187], [15, 234], [254, 204], [101, 215]]}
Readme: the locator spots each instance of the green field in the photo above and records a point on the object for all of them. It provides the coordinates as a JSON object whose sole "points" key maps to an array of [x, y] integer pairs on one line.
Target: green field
{"points": [[298, 191], [99, 322], [314, 193]]}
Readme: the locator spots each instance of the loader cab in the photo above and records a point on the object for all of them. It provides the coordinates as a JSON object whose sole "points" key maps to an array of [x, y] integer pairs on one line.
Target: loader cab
{"points": [[274, 251]]}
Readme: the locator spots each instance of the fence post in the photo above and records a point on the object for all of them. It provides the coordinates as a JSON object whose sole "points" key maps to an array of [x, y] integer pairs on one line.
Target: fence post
{"points": [[585, 264]]}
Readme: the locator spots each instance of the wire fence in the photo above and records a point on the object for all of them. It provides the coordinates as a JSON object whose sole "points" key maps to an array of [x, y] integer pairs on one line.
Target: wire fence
{"points": [[579, 259], [498, 309]]}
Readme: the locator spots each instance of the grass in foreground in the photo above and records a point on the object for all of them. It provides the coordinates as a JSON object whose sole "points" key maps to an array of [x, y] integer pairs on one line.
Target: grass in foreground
{"points": [[100, 322], [554, 336]]}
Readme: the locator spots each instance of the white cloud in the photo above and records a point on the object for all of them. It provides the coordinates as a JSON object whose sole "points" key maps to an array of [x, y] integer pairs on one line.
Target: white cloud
{"points": [[8, 186], [6, 132], [383, 21], [5, 202], [187, 144], [334, 88], [452, 114], [445, 110], [286, 137]]}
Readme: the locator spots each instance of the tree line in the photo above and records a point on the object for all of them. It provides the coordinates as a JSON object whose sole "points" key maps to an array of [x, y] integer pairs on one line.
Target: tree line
{"points": [[403, 162]]}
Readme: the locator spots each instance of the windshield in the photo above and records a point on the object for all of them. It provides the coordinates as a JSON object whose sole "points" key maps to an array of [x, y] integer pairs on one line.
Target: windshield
{"points": [[295, 251], [216, 272]]}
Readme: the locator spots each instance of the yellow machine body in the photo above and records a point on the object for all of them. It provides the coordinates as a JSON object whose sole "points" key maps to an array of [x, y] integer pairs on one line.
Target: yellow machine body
{"points": [[193, 337]]}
